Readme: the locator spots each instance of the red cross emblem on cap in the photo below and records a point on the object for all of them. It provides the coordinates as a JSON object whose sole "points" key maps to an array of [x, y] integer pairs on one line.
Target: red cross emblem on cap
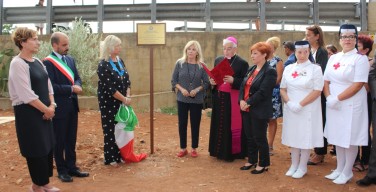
{"points": [[295, 74], [336, 66]]}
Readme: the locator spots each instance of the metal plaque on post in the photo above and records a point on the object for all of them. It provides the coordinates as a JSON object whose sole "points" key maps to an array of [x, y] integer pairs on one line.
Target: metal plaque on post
{"points": [[151, 34]]}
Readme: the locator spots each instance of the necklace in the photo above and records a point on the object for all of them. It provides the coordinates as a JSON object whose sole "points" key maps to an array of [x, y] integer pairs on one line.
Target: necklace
{"points": [[189, 75]]}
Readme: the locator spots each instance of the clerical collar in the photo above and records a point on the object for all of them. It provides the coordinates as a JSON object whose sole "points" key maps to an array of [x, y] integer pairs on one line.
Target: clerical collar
{"points": [[231, 57]]}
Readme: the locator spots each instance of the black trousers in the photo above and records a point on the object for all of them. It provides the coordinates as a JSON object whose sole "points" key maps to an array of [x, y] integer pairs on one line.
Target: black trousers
{"points": [[323, 150], [372, 161], [65, 130], [194, 111], [366, 150], [257, 142], [40, 168]]}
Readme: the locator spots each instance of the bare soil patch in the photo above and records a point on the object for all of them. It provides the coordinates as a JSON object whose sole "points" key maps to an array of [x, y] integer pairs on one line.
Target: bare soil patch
{"points": [[163, 171]]}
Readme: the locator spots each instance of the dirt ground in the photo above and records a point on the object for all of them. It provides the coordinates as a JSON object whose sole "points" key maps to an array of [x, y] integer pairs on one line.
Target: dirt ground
{"points": [[163, 171]]}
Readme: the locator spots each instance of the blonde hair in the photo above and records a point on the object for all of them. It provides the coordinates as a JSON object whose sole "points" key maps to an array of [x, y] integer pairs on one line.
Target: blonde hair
{"points": [[107, 46], [199, 57], [275, 41]]}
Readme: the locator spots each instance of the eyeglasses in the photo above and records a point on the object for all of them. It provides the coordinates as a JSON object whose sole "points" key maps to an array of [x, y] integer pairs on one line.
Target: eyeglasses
{"points": [[350, 37]]}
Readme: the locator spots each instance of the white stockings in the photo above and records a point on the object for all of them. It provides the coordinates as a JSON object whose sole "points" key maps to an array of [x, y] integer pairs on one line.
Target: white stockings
{"points": [[299, 158]]}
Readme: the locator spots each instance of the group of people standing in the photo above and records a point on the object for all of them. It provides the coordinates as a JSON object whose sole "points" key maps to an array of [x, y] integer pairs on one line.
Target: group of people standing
{"points": [[44, 97], [323, 94], [321, 99]]}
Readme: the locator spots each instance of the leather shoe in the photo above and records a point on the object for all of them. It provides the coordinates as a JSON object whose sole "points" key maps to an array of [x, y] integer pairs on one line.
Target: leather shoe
{"points": [[78, 173], [248, 167], [255, 171], [65, 177], [366, 181]]}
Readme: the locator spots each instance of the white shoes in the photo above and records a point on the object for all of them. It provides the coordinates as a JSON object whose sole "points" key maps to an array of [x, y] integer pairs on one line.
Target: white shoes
{"points": [[342, 179], [291, 171], [299, 174], [333, 175]]}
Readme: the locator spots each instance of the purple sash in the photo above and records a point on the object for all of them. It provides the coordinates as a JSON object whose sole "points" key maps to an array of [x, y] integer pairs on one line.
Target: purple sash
{"points": [[236, 122], [236, 119]]}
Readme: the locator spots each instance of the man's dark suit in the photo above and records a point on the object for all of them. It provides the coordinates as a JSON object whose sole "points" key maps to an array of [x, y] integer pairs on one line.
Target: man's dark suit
{"points": [[66, 116]]}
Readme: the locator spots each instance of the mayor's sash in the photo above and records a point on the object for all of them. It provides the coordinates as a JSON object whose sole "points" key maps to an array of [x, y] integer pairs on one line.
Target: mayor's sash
{"points": [[62, 66]]}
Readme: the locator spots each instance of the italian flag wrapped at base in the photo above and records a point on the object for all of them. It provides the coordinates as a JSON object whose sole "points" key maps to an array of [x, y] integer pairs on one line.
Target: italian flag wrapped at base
{"points": [[124, 134]]}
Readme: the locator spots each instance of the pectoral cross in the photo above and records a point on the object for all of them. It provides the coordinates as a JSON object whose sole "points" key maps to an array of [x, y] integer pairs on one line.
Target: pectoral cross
{"points": [[295, 74], [336, 66]]}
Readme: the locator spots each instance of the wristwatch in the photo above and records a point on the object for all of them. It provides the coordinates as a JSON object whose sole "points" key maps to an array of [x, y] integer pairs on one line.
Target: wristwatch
{"points": [[54, 104]]}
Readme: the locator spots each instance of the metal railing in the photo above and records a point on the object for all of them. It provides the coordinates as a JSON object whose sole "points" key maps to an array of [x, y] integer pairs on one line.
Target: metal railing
{"points": [[237, 12]]}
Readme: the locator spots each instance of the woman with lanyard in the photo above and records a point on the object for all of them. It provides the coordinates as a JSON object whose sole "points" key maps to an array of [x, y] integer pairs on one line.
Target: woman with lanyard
{"points": [[346, 103], [189, 81], [113, 90]]}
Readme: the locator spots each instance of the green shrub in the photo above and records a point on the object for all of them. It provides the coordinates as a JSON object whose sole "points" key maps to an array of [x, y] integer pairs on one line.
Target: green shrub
{"points": [[5, 59], [84, 48], [170, 110], [209, 113]]}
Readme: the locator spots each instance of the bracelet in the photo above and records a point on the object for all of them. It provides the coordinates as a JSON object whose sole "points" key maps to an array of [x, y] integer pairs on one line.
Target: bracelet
{"points": [[54, 104]]}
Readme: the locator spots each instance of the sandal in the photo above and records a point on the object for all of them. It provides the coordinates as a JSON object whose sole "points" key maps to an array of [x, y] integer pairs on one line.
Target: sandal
{"points": [[333, 151], [271, 151], [316, 159], [358, 167]]}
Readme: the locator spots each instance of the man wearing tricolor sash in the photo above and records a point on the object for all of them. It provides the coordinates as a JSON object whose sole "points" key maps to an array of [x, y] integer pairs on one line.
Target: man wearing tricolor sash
{"points": [[66, 84]]}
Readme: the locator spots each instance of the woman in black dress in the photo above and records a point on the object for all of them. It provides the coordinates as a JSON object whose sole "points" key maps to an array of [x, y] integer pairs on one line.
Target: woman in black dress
{"points": [[32, 98], [114, 88]]}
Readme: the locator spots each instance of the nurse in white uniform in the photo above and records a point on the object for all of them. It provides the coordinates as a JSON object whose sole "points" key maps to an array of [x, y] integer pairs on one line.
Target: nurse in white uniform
{"points": [[346, 103], [301, 86]]}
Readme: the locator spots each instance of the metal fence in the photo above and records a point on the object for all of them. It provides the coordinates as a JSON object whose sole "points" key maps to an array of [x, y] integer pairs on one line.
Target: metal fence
{"points": [[323, 13]]}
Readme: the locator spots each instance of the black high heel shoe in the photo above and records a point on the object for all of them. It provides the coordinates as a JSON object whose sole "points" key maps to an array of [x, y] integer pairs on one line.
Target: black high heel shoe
{"points": [[255, 171], [247, 167]]}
